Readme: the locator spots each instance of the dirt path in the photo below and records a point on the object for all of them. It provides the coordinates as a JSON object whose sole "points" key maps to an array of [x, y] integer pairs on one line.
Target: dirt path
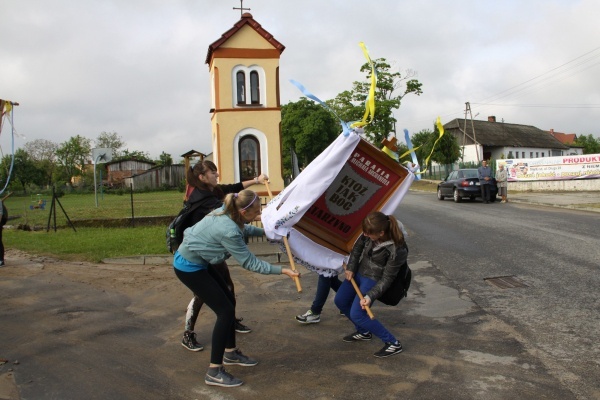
{"points": [[96, 331]]}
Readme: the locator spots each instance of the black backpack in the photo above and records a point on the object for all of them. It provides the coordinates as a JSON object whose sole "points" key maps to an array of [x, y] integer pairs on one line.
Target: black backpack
{"points": [[399, 288], [182, 221]]}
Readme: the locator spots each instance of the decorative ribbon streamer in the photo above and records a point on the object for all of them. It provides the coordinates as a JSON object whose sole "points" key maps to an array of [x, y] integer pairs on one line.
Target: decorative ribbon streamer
{"points": [[413, 155], [390, 148], [345, 128], [438, 123], [390, 153], [370, 102]]}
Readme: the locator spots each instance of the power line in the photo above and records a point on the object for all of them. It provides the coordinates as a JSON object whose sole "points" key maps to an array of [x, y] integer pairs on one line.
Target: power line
{"points": [[544, 76], [582, 106]]}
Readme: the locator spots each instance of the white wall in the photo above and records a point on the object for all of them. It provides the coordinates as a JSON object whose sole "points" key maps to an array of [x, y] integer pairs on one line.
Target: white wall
{"points": [[569, 185]]}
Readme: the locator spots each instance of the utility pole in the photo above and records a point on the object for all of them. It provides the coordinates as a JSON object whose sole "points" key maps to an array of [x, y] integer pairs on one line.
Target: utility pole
{"points": [[469, 112]]}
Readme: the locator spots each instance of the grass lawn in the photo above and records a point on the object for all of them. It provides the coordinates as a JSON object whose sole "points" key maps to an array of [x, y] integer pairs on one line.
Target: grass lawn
{"points": [[88, 244], [83, 206], [95, 244], [424, 186]]}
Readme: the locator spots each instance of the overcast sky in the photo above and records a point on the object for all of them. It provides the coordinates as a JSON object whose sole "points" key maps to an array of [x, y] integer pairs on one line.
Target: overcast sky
{"points": [[137, 67]]}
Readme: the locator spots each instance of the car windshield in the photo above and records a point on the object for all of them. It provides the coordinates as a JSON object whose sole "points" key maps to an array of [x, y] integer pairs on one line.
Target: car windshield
{"points": [[470, 173]]}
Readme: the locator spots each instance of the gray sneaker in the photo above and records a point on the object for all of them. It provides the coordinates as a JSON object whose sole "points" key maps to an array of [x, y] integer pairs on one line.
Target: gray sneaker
{"points": [[220, 377], [237, 358], [308, 318]]}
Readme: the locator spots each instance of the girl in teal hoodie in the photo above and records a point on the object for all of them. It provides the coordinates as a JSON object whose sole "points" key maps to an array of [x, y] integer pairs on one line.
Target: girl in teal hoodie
{"points": [[213, 240]]}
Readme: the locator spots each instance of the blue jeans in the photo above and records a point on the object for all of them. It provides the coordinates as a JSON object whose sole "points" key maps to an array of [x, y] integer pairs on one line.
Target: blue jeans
{"points": [[324, 284], [348, 302]]}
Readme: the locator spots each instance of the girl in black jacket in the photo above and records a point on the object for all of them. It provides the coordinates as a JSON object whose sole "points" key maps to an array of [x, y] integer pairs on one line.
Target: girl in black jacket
{"points": [[376, 259]]}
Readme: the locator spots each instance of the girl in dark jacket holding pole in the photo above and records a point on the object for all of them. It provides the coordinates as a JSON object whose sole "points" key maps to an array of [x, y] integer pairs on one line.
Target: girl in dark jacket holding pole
{"points": [[375, 261]]}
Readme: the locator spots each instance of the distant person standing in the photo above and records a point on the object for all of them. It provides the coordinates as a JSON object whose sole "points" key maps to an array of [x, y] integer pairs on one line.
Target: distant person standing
{"points": [[485, 181], [502, 182]]}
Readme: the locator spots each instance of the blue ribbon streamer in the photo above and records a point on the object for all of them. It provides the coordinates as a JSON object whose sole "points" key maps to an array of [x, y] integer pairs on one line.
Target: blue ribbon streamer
{"points": [[412, 154], [345, 128]]}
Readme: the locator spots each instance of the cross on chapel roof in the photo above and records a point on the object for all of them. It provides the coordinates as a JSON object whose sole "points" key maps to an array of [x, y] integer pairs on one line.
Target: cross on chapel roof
{"points": [[241, 8]]}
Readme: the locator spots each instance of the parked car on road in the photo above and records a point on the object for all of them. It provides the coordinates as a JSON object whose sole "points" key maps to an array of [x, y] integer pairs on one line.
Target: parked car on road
{"points": [[463, 183]]}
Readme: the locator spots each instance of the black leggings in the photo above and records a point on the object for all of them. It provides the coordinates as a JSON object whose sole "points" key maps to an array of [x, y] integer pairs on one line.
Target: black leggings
{"points": [[210, 287], [191, 314]]}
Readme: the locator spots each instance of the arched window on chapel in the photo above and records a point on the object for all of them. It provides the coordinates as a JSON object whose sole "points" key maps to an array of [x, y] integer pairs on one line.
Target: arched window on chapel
{"points": [[249, 153], [246, 86], [254, 88], [241, 87]]}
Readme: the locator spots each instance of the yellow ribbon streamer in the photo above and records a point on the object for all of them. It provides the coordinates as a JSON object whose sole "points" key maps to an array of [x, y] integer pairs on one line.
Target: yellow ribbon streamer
{"points": [[370, 102], [7, 107], [438, 123]]}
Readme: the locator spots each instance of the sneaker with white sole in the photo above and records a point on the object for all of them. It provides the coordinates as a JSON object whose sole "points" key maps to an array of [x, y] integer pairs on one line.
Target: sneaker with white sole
{"points": [[190, 343], [219, 377], [237, 358], [389, 350], [309, 318], [358, 337], [241, 328]]}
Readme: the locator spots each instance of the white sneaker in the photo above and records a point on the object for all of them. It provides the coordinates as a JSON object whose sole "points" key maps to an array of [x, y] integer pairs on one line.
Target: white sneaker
{"points": [[308, 318]]}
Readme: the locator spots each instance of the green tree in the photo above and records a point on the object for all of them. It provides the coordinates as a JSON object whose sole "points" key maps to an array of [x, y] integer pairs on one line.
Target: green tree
{"points": [[446, 151], [133, 155], [110, 140], [72, 156], [164, 160], [43, 154], [306, 128], [350, 105], [24, 172], [590, 144], [423, 141]]}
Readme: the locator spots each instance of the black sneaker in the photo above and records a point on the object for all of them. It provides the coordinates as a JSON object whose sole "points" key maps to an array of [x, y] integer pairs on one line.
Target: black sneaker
{"points": [[237, 358], [357, 337], [389, 350], [241, 328], [220, 377], [189, 342]]}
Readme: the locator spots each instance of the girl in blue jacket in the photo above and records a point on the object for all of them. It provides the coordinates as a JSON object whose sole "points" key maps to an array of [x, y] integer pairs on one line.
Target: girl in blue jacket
{"points": [[211, 241]]}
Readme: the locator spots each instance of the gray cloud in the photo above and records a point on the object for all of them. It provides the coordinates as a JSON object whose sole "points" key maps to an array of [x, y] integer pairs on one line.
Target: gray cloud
{"points": [[137, 67]]}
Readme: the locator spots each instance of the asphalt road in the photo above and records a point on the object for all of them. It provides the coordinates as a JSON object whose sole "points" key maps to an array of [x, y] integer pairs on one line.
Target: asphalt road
{"points": [[555, 252], [73, 330]]}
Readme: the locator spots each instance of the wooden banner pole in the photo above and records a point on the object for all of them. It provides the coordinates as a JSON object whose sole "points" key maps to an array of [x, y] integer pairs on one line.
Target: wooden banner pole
{"points": [[367, 308], [360, 296], [287, 248]]}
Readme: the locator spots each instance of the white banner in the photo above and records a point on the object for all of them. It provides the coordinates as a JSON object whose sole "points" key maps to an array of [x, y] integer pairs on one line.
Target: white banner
{"points": [[552, 168], [334, 198]]}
